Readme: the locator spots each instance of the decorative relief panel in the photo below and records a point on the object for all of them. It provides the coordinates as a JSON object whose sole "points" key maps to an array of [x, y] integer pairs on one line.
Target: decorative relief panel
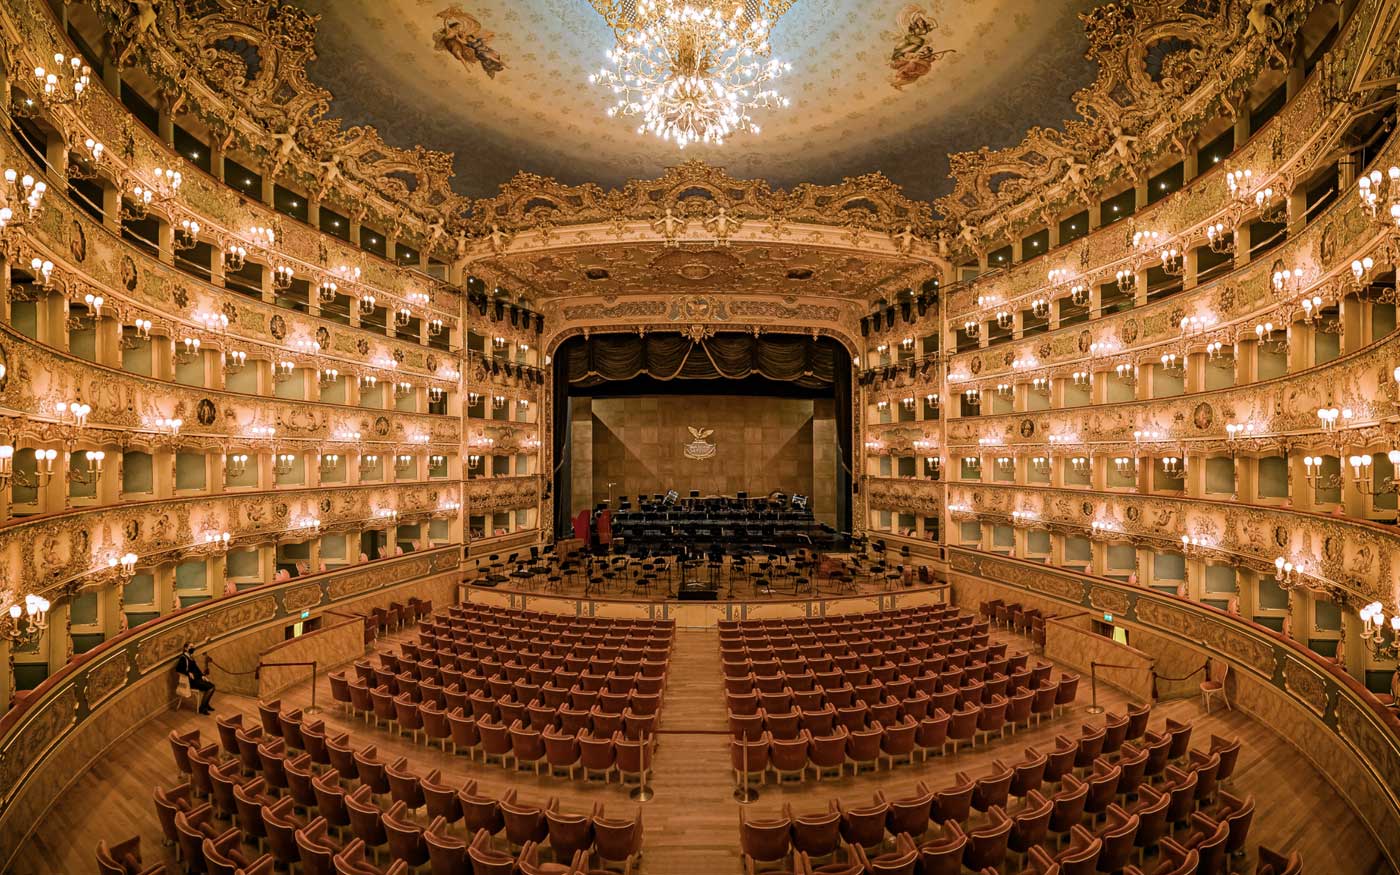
{"points": [[35, 735], [1306, 684], [105, 678]]}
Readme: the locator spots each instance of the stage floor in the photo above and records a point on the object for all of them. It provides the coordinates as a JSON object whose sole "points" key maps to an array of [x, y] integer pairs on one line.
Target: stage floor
{"points": [[735, 589]]}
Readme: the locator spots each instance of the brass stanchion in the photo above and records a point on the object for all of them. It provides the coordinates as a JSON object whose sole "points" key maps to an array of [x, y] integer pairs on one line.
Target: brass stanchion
{"points": [[1094, 706], [643, 793], [744, 794]]}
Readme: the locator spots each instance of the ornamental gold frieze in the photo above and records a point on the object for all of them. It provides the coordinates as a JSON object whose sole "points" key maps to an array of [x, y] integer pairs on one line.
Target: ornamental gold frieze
{"points": [[1280, 154], [1232, 303], [489, 494], [1128, 117], [703, 198], [1282, 410], [703, 315], [58, 554], [506, 438], [273, 112], [38, 378], [902, 438], [1348, 561], [134, 284], [923, 497]]}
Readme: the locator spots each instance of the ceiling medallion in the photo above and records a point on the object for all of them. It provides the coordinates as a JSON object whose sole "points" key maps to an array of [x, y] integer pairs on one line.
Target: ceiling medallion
{"points": [[693, 70]]}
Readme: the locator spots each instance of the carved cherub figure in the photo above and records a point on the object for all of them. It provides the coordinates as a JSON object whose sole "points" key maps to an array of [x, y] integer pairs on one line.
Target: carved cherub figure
{"points": [[720, 224], [669, 225], [286, 147], [1122, 145]]}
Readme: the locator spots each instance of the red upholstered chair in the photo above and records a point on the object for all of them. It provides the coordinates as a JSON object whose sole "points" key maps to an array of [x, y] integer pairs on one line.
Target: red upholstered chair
{"points": [[1043, 704], [371, 770], [616, 840], [828, 752], [447, 854], [909, 814], [1177, 859], [749, 757], [1151, 809], [170, 802], [962, 726], [298, 771], [864, 825], [1029, 773], [1060, 761], [986, 848], [992, 718], [1066, 692], [1118, 835], [124, 858], [1180, 735], [404, 785], [1208, 838], [366, 819], [568, 833], [863, 747], [480, 813], [526, 747], [818, 834], [1229, 751], [524, 821], [1103, 786], [495, 741], [1018, 708], [1181, 786], [1082, 855], [765, 841], [898, 742], [1031, 823], [944, 855], [991, 790], [281, 826], [955, 802], [330, 800], [596, 754], [788, 756], [902, 860], [406, 841], [1069, 804], [180, 744], [191, 829], [1090, 743]]}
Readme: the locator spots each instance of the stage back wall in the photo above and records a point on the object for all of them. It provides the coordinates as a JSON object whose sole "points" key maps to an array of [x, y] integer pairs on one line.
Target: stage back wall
{"points": [[759, 445]]}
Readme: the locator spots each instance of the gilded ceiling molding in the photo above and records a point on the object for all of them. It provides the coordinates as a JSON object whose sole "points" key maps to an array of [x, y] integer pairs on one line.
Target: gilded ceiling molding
{"points": [[1353, 561], [1165, 68], [240, 67], [87, 257]]}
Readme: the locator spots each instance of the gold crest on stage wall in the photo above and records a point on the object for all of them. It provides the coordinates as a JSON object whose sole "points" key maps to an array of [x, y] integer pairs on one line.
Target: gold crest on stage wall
{"points": [[700, 448]]}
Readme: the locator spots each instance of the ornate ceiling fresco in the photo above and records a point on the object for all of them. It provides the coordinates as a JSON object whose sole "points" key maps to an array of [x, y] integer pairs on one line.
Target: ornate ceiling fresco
{"points": [[876, 85]]}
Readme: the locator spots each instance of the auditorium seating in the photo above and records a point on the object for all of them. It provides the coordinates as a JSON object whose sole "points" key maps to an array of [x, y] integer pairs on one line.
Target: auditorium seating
{"points": [[555, 695], [875, 690], [1085, 821], [342, 808]]}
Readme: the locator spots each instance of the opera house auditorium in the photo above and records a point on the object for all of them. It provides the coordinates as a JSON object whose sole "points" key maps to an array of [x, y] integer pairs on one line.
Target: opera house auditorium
{"points": [[699, 437]]}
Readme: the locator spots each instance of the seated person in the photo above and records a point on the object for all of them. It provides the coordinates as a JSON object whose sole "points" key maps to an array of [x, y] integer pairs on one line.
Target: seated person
{"points": [[189, 667]]}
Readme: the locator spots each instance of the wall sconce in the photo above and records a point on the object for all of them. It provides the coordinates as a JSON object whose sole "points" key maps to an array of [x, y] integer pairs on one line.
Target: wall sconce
{"points": [[309, 524], [387, 515], [1146, 241], [403, 462], [1080, 464], [218, 540], [282, 463], [1041, 464], [1172, 362], [283, 370], [329, 462], [907, 402], [43, 470], [1328, 417], [261, 432], [23, 196], [169, 425], [1101, 528], [1004, 319], [22, 626], [1040, 308], [1373, 626], [1024, 517], [1127, 281], [1040, 384], [473, 398], [402, 316], [368, 381], [973, 463], [972, 397], [75, 411], [972, 328], [1006, 463], [436, 394], [1380, 196], [92, 468], [346, 435], [1082, 378], [234, 361], [43, 271], [368, 463], [1080, 295], [328, 377], [402, 389], [186, 349], [1286, 573], [498, 401], [1125, 465], [1288, 281], [473, 461], [907, 343], [262, 236], [435, 327], [235, 257], [7, 462], [1220, 238], [212, 322], [1126, 371], [282, 276], [327, 291], [1173, 261], [235, 465], [1174, 465], [367, 304]]}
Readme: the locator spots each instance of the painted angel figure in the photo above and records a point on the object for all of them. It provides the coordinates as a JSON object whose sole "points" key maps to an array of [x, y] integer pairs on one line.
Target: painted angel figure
{"points": [[914, 56], [465, 39]]}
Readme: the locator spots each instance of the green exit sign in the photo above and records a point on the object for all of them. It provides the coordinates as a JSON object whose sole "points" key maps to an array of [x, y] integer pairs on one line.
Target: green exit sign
{"points": [[1107, 617], [305, 614]]}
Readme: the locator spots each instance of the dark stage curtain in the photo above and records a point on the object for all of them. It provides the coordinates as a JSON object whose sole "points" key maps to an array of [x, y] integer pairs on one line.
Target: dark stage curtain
{"points": [[813, 363], [802, 360], [563, 452]]}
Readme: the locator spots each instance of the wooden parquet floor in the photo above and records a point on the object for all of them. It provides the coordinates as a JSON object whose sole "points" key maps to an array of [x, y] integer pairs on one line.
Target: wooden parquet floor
{"points": [[691, 826]]}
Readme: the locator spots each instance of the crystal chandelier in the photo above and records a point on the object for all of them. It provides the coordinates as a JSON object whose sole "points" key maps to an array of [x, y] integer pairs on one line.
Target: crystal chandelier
{"points": [[693, 70]]}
